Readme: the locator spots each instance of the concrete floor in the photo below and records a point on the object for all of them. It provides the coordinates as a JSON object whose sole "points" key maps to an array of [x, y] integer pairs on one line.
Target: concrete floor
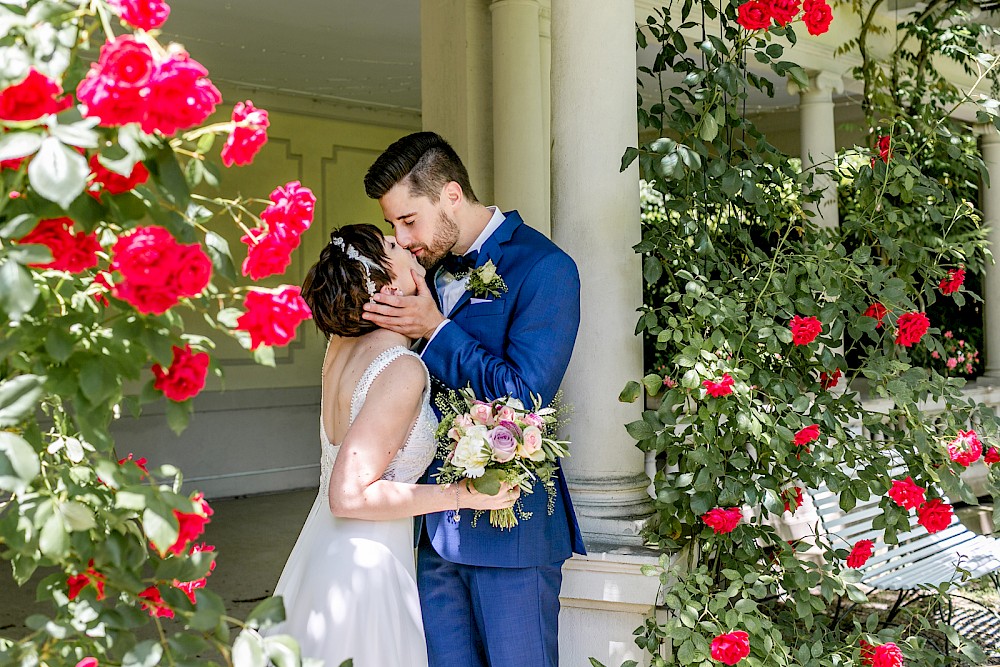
{"points": [[253, 536]]}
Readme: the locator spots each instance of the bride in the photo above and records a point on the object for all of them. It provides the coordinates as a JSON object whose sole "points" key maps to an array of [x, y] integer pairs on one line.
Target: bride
{"points": [[348, 586]]}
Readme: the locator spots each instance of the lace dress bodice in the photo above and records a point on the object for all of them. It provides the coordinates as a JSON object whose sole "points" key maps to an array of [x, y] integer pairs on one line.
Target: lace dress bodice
{"points": [[417, 452]]}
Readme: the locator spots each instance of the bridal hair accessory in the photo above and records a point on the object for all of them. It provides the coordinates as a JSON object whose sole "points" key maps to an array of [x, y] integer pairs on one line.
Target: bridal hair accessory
{"points": [[366, 264]]}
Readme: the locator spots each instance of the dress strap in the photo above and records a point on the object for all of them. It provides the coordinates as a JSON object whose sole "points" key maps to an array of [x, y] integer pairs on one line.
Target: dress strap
{"points": [[375, 368]]}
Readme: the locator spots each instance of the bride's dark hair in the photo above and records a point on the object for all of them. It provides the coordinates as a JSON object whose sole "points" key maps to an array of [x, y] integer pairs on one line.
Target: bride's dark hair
{"points": [[336, 287]]}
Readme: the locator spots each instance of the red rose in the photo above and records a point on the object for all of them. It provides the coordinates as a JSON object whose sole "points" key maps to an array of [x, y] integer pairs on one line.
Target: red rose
{"points": [[189, 587], [248, 137], [722, 520], [193, 270], [32, 98], [876, 311], [723, 387], [185, 377], [884, 148], [268, 252], [953, 282], [934, 515], [78, 582], [887, 655], [910, 328], [860, 553], [867, 653], [70, 252], [817, 18], [992, 456], [291, 209], [190, 525], [784, 11], [147, 299], [906, 493], [829, 380], [114, 183], [965, 449], [14, 164], [271, 317], [139, 462], [144, 14], [180, 95], [117, 85], [807, 434], [805, 329], [731, 647], [792, 496], [754, 15], [154, 603]]}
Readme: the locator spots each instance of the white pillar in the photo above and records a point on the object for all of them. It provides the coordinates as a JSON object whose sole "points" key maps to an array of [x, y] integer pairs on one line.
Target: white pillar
{"points": [[989, 142], [595, 218], [545, 36], [456, 83], [819, 144], [519, 150]]}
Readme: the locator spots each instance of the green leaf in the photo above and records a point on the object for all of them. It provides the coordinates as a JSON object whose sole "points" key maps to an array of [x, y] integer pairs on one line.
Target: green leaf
{"points": [[205, 142], [14, 145], [709, 128], [640, 430], [78, 516], [222, 259], [161, 531], [59, 343], [631, 392], [145, 654], [594, 662], [58, 173], [53, 540], [248, 650], [653, 384], [18, 292], [282, 650], [30, 253], [178, 415], [19, 464], [18, 226], [488, 483], [171, 178], [18, 397], [269, 612], [652, 269], [98, 380], [80, 134], [264, 355]]}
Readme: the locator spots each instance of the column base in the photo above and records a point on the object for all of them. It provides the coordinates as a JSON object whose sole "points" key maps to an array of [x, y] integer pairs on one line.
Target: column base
{"points": [[612, 510], [605, 597]]}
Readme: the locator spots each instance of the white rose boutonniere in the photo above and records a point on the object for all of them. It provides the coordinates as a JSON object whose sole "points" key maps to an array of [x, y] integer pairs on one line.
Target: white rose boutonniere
{"points": [[485, 281]]}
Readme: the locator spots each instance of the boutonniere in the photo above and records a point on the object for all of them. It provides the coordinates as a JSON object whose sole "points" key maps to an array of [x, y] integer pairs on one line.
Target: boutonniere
{"points": [[485, 281]]}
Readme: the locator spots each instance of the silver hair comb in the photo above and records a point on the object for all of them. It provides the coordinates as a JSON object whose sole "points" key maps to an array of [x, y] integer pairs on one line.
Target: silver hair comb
{"points": [[366, 264]]}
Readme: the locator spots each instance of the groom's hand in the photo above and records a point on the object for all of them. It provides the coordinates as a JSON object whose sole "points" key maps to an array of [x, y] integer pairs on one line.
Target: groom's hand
{"points": [[414, 316]]}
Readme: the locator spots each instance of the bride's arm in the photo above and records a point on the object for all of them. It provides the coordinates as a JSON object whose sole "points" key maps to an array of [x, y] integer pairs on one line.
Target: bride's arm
{"points": [[378, 432]]}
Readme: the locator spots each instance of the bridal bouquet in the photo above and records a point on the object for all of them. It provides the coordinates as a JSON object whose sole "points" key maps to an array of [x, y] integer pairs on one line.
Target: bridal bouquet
{"points": [[499, 441]]}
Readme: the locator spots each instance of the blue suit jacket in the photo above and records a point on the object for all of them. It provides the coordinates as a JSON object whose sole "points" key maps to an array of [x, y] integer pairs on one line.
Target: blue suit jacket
{"points": [[515, 345]]}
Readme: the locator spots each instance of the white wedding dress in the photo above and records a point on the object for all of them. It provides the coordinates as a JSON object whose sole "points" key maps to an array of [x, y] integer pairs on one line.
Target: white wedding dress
{"points": [[349, 585]]}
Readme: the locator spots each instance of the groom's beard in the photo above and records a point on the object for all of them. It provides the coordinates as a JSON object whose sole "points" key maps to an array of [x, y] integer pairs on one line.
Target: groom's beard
{"points": [[445, 238]]}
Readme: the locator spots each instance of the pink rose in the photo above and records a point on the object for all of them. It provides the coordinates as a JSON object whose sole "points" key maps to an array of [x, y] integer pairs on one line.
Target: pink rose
{"points": [[531, 445], [454, 434], [180, 95], [269, 252], [463, 421], [144, 14], [482, 413], [117, 85], [272, 316], [506, 413], [503, 443], [531, 419], [248, 137], [965, 449]]}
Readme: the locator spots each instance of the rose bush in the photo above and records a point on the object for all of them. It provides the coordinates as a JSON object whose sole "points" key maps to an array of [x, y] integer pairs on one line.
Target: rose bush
{"points": [[807, 324], [104, 247]]}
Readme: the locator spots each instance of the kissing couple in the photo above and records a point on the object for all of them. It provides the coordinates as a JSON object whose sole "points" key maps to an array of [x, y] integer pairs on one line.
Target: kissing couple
{"points": [[403, 324]]}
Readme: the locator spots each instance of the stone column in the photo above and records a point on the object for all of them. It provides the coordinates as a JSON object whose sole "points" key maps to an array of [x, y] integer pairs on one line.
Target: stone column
{"points": [[989, 141], [456, 83], [545, 47], [595, 218], [819, 145], [519, 149]]}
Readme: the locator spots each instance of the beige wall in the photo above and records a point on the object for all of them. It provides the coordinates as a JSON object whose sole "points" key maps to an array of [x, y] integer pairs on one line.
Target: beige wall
{"points": [[330, 155]]}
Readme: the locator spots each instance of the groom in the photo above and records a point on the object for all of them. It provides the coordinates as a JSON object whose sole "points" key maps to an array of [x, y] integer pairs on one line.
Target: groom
{"points": [[488, 596]]}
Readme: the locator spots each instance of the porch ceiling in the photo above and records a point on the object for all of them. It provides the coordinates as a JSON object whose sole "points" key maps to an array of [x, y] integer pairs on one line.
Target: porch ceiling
{"points": [[344, 50]]}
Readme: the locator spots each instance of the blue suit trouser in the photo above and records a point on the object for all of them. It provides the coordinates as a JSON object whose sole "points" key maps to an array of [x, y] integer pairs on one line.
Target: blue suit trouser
{"points": [[476, 616]]}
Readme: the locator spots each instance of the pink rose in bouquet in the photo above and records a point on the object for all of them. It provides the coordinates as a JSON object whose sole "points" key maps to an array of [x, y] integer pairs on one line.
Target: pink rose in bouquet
{"points": [[495, 443]]}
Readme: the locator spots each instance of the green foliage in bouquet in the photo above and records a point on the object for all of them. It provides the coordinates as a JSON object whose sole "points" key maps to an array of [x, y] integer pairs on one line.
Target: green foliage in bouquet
{"points": [[490, 443], [108, 251], [774, 333]]}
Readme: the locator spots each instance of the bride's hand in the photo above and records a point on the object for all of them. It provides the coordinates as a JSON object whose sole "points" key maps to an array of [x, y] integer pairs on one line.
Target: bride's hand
{"points": [[472, 499]]}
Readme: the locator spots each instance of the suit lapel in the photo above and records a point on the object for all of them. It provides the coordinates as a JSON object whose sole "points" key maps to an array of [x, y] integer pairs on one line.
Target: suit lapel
{"points": [[492, 250]]}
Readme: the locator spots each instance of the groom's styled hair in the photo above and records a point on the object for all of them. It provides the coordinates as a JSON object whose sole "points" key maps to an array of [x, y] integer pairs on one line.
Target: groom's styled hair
{"points": [[335, 287], [423, 159]]}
